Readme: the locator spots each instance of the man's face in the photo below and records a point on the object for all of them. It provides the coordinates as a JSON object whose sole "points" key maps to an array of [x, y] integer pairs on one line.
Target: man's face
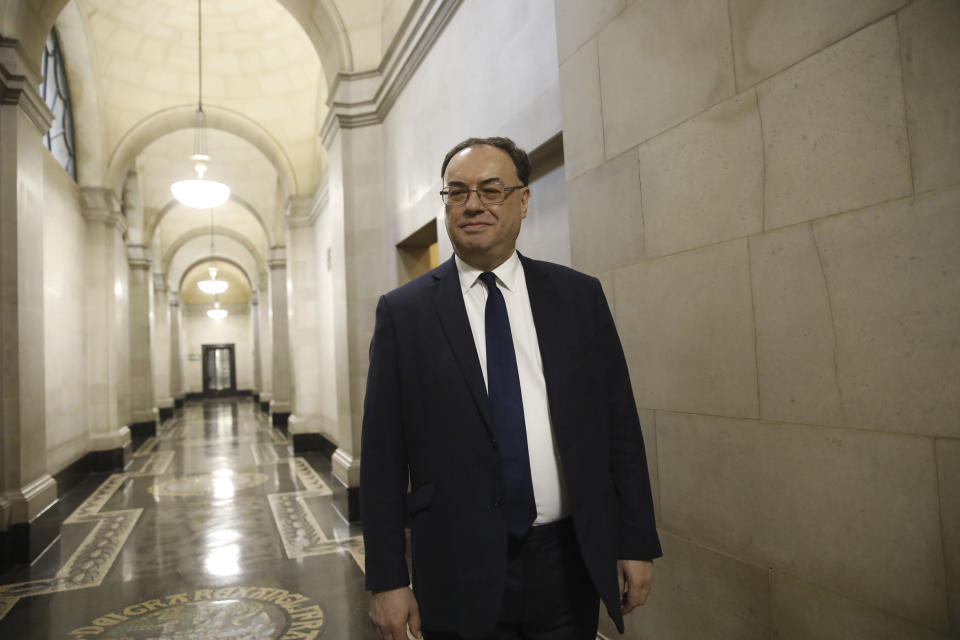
{"points": [[484, 235]]}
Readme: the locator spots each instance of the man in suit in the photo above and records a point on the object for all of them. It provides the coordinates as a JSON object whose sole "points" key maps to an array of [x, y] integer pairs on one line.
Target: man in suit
{"points": [[498, 389]]}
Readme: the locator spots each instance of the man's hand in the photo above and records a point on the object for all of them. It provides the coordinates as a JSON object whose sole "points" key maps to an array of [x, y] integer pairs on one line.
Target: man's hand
{"points": [[391, 611], [636, 580]]}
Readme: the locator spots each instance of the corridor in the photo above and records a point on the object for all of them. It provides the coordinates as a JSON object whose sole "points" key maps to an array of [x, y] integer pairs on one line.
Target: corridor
{"points": [[215, 530]]}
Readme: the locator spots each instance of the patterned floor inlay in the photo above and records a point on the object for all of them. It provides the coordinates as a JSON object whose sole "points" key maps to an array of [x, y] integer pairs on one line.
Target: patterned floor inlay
{"points": [[248, 613], [215, 501]]}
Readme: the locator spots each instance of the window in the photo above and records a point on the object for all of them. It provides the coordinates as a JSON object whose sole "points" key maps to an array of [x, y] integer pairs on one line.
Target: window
{"points": [[55, 91]]}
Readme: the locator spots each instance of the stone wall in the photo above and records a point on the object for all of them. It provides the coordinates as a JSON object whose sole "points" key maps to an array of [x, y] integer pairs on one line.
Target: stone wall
{"points": [[769, 191], [64, 322]]}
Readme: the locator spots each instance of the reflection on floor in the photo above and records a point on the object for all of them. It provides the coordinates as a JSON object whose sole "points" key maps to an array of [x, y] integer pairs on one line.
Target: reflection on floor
{"points": [[215, 531]]}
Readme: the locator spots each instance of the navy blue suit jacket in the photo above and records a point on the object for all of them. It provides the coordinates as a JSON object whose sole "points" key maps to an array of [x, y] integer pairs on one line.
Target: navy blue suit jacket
{"points": [[426, 413]]}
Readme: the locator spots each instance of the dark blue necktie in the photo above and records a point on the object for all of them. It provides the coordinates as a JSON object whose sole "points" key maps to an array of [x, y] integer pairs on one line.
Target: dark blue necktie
{"points": [[503, 387]]}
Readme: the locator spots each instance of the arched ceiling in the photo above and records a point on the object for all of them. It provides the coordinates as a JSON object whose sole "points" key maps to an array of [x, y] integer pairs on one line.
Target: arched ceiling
{"points": [[238, 289]]}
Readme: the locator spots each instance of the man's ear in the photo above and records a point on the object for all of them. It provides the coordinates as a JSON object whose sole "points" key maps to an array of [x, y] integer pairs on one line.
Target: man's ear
{"points": [[524, 201]]}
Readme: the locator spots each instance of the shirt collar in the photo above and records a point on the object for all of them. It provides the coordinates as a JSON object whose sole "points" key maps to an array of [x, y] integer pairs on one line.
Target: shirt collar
{"points": [[507, 273]]}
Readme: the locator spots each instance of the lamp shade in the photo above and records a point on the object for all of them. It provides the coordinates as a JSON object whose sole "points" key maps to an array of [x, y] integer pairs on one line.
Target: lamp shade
{"points": [[200, 193], [217, 314]]}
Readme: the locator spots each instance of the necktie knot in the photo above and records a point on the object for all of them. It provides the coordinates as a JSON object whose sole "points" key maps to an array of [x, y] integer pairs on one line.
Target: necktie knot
{"points": [[489, 279]]}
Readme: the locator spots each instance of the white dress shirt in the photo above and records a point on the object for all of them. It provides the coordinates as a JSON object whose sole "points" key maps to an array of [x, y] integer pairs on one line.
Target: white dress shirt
{"points": [[548, 485]]}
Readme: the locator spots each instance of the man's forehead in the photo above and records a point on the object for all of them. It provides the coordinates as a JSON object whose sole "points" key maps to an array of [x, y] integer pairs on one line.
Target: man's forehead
{"points": [[481, 157]]}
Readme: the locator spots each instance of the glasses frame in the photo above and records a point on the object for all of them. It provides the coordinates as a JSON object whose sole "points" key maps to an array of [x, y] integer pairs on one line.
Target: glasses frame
{"points": [[506, 193]]}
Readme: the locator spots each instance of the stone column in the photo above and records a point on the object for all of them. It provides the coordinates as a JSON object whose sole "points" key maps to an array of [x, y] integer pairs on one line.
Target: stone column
{"points": [[306, 424], [141, 373], [160, 349], [255, 332], [266, 343], [27, 489], [282, 387], [365, 270], [105, 321], [176, 365]]}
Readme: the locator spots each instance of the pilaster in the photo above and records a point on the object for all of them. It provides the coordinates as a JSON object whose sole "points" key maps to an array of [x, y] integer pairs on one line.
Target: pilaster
{"points": [[160, 348], [107, 313], [26, 488], [176, 363], [282, 380], [141, 373]]}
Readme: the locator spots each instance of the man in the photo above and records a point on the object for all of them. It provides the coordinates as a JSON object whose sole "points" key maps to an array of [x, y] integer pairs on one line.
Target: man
{"points": [[498, 388]]}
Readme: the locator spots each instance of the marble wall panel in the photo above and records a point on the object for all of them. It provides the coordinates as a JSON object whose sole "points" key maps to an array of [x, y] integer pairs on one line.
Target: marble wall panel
{"points": [[580, 100], [948, 471], [834, 130], [930, 51], [703, 180], [893, 272], [578, 21], [801, 611], [686, 323], [63, 323], [770, 35], [700, 593], [796, 341], [851, 510], [662, 61], [606, 222]]}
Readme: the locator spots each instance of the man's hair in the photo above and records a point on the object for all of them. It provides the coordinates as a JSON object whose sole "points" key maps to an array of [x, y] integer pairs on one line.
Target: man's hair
{"points": [[518, 155]]}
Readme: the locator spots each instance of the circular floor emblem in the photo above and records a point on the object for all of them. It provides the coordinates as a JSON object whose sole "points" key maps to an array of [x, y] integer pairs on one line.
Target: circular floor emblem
{"points": [[237, 613], [218, 484]]}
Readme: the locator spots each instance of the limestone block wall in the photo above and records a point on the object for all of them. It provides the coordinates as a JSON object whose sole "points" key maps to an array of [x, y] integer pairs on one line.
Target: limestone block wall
{"points": [[68, 436], [769, 192]]}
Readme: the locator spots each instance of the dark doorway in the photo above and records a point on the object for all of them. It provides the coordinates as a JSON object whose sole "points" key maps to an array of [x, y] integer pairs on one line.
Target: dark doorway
{"points": [[219, 370]]}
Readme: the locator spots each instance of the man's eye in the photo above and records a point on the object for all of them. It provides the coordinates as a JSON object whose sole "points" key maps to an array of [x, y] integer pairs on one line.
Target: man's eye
{"points": [[456, 193]]}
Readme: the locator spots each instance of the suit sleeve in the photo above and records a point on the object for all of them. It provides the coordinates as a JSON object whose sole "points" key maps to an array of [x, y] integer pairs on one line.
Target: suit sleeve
{"points": [[383, 468], [628, 458]]}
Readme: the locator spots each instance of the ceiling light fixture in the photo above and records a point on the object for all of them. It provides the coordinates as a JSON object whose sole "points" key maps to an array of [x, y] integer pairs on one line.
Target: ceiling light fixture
{"points": [[200, 193], [216, 313], [212, 286]]}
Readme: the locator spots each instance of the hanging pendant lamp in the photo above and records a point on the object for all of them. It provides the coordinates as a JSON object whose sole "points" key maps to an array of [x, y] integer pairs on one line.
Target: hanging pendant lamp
{"points": [[212, 286], [200, 193], [216, 313]]}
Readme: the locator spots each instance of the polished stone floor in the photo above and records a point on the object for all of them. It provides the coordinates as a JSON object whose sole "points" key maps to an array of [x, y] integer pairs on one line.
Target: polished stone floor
{"points": [[214, 531]]}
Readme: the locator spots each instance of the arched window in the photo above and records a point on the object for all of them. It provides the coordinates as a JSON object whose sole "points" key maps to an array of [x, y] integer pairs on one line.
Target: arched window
{"points": [[56, 93]]}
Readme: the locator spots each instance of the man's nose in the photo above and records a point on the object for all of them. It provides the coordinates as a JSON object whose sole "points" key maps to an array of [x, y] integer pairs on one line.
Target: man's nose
{"points": [[473, 203]]}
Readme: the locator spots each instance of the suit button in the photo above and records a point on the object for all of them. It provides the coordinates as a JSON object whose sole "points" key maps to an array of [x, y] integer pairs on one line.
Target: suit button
{"points": [[498, 502]]}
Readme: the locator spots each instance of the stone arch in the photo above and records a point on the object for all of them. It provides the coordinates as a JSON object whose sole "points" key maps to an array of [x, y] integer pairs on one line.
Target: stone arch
{"points": [[155, 221], [173, 119], [29, 21], [198, 232], [216, 258]]}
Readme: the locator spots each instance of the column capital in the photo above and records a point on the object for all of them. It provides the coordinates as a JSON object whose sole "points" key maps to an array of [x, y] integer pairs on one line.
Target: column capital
{"points": [[160, 282], [99, 204], [301, 212], [278, 258], [19, 82], [138, 256], [363, 98], [255, 297], [173, 298]]}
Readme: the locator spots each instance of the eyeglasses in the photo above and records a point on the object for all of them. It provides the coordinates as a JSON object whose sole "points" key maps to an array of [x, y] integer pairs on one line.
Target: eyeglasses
{"points": [[492, 192]]}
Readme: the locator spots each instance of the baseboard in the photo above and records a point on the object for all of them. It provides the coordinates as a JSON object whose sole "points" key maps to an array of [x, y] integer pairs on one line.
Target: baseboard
{"points": [[346, 500], [265, 407], [166, 413], [280, 420], [142, 430], [313, 443]]}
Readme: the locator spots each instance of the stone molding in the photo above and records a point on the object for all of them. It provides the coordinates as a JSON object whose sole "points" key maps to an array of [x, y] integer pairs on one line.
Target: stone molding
{"points": [[364, 98], [346, 468], [19, 84], [160, 283], [255, 297], [27, 502], [301, 211], [108, 440], [278, 258], [173, 299], [98, 204], [138, 256]]}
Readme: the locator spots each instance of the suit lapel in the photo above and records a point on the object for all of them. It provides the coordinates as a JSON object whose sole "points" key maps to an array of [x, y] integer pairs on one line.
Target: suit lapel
{"points": [[552, 321], [448, 298]]}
